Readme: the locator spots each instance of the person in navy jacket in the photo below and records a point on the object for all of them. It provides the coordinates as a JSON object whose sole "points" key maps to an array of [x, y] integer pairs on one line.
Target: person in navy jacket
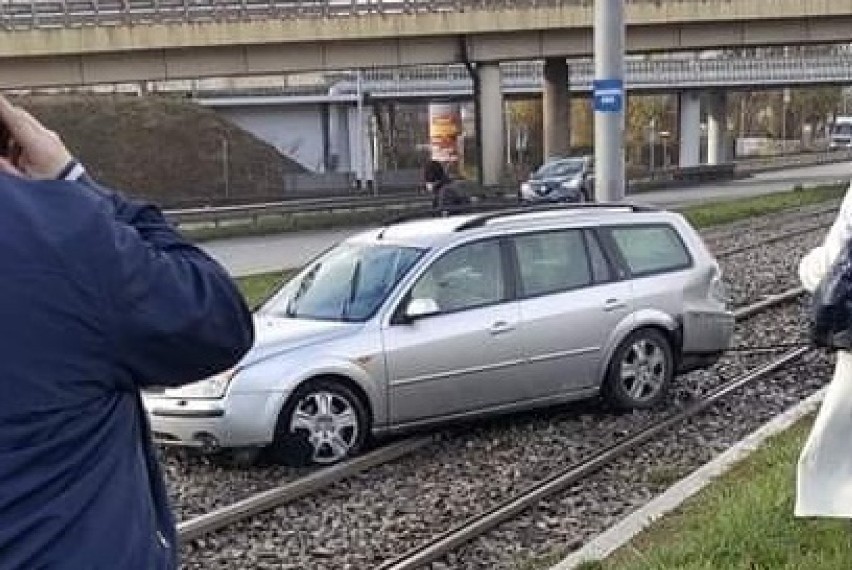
{"points": [[99, 297]]}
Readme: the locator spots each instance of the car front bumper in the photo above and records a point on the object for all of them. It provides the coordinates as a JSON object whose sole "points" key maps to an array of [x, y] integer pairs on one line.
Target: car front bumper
{"points": [[238, 420]]}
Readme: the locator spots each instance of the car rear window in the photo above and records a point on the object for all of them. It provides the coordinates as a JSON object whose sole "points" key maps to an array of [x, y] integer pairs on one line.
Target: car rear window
{"points": [[651, 249]]}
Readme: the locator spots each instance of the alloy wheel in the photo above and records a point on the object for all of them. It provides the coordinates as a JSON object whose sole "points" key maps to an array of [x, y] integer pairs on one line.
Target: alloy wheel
{"points": [[331, 423]]}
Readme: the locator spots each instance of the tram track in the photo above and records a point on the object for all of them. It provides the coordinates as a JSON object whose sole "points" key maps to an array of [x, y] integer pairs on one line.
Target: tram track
{"points": [[445, 543], [223, 517], [345, 509]]}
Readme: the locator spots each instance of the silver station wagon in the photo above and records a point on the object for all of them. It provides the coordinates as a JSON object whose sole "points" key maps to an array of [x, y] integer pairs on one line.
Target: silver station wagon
{"points": [[438, 319]]}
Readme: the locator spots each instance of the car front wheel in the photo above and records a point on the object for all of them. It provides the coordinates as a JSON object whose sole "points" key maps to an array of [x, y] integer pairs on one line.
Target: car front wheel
{"points": [[640, 371], [323, 422]]}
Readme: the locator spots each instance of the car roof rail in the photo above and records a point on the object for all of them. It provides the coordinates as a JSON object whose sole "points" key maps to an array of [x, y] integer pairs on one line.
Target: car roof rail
{"points": [[428, 213], [483, 219]]}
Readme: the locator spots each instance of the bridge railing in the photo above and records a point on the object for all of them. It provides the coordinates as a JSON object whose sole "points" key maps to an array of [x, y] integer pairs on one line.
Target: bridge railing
{"points": [[29, 14], [639, 73]]}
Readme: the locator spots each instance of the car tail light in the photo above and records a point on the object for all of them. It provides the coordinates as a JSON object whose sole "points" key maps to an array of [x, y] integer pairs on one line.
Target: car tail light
{"points": [[718, 289]]}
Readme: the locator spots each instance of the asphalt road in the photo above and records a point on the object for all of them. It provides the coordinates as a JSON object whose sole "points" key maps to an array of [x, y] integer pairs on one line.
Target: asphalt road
{"points": [[250, 255]]}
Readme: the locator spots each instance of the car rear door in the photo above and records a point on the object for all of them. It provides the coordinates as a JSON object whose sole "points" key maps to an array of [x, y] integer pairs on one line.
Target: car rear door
{"points": [[571, 302]]}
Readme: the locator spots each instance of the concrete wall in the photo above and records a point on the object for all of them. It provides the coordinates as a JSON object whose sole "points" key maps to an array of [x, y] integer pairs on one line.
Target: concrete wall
{"points": [[295, 130], [299, 132]]}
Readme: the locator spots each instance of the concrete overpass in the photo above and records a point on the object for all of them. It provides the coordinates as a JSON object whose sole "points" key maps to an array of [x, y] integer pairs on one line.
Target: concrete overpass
{"points": [[76, 42]]}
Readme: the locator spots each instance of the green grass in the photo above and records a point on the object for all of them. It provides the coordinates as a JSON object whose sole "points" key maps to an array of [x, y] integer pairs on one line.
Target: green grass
{"points": [[743, 521], [256, 288], [723, 212]]}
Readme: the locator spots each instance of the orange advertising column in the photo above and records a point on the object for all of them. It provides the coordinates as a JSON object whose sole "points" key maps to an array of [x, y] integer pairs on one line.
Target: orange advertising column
{"points": [[445, 127]]}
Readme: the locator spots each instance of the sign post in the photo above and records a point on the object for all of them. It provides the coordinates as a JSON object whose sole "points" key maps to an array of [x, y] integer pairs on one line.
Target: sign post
{"points": [[609, 100]]}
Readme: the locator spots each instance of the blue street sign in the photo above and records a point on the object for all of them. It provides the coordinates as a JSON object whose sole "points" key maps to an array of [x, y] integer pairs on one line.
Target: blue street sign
{"points": [[608, 95]]}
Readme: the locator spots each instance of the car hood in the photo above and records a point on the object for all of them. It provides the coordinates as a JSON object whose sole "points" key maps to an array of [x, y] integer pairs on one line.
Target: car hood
{"points": [[274, 335]]}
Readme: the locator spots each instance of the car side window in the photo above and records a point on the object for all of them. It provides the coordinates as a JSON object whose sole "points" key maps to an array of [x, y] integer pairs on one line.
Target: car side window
{"points": [[552, 261], [651, 249], [467, 277]]}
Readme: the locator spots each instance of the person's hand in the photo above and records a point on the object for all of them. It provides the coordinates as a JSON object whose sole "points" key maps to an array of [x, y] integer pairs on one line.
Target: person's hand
{"points": [[39, 154]]}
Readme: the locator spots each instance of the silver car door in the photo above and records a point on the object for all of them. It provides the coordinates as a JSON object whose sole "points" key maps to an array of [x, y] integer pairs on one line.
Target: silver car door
{"points": [[571, 302], [467, 355]]}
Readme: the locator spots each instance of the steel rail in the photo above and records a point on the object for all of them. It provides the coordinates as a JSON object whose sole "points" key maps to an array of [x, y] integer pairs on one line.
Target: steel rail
{"points": [[199, 526], [772, 239], [480, 524]]}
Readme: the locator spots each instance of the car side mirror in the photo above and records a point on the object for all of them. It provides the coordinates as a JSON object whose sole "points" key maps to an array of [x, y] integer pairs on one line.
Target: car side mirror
{"points": [[421, 307]]}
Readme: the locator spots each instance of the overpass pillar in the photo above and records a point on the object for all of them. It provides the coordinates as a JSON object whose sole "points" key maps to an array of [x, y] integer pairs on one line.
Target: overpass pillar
{"points": [[556, 99], [340, 154], [689, 129], [492, 123], [717, 128]]}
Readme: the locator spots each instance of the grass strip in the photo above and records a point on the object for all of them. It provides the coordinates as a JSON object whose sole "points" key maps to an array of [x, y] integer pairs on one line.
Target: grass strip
{"points": [[742, 521], [727, 211]]}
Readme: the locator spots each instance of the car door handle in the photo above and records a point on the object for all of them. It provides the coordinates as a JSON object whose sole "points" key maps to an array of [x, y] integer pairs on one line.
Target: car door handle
{"points": [[501, 327], [614, 305]]}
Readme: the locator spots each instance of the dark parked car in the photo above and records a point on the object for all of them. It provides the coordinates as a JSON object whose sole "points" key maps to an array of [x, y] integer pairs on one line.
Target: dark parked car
{"points": [[560, 180]]}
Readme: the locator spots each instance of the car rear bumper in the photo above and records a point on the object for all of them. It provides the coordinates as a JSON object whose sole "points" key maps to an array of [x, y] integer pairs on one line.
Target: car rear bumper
{"points": [[707, 332]]}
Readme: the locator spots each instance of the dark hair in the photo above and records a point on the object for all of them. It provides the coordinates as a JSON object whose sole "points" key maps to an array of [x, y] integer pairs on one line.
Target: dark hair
{"points": [[434, 172]]}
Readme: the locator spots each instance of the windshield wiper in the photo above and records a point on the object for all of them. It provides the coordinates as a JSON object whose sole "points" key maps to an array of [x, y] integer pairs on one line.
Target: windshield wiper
{"points": [[290, 310], [354, 281]]}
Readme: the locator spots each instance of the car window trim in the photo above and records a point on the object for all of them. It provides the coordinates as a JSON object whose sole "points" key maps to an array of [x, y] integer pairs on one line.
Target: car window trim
{"points": [[590, 235]]}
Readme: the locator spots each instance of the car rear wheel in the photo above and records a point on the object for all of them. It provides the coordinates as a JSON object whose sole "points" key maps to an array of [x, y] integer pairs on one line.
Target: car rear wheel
{"points": [[323, 422], [640, 371]]}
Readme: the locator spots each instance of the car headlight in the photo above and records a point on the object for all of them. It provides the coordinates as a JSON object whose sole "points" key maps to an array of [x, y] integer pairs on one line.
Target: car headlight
{"points": [[212, 387]]}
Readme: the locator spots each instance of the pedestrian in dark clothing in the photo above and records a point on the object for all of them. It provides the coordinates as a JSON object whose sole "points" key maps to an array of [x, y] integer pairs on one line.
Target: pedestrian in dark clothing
{"points": [[99, 297], [446, 194]]}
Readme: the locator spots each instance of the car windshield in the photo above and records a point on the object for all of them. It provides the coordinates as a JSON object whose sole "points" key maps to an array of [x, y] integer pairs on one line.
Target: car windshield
{"points": [[348, 283], [559, 169]]}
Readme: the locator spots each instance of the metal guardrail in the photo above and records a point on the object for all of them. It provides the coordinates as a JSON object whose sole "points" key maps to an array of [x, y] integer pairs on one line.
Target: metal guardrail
{"points": [[30, 14], [253, 212]]}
